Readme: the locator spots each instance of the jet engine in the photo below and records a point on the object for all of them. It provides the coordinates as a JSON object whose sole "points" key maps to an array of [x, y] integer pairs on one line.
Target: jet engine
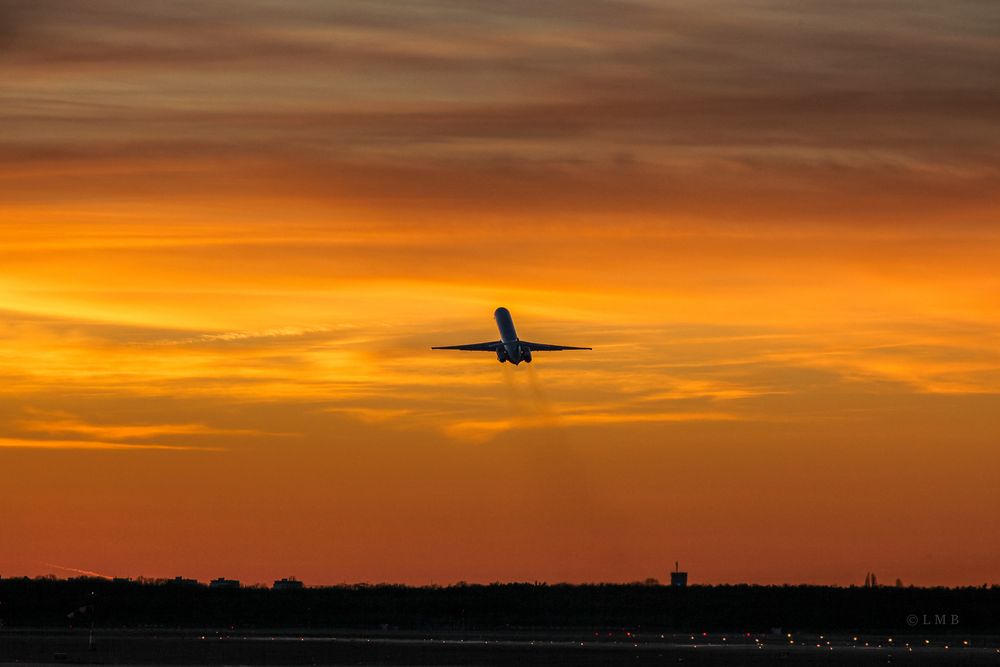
{"points": [[525, 355], [501, 354]]}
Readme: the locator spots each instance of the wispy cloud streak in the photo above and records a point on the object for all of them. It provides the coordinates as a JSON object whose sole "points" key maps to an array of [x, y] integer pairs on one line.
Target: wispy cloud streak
{"points": [[24, 443]]}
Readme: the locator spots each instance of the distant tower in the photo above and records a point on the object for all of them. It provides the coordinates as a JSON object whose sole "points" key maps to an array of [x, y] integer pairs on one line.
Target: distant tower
{"points": [[677, 578], [868, 579]]}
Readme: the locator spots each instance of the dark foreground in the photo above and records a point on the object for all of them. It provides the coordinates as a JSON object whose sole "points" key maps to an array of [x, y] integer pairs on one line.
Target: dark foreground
{"points": [[48, 621], [143, 647], [27, 603]]}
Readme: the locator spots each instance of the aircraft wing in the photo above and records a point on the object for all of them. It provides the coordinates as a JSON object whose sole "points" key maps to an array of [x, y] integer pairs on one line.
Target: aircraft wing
{"points": [[473, 347], [542, 347]]}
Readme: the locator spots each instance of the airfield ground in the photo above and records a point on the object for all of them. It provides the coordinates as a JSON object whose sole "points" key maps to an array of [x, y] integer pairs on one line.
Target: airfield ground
{"points": [[221, 647]]}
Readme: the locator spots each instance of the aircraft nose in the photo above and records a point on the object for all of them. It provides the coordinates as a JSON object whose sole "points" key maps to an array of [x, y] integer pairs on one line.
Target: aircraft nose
{"points": [[500, 311]]}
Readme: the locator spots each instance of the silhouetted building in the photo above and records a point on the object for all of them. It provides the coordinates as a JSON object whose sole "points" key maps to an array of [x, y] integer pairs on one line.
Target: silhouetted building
{"points": [[678, 578], [181, 581], [288, 584], [224, 583]]}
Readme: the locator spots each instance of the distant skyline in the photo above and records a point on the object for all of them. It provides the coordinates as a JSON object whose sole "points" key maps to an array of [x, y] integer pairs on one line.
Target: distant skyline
{"points": [[230, 231]]}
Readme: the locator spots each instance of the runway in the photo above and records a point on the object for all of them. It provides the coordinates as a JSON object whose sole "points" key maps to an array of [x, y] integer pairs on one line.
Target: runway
{"points": [[222, 647]]}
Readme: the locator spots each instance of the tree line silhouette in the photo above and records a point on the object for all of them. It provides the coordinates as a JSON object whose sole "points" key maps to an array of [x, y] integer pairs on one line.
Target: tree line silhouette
{"points": [[78, 602]]}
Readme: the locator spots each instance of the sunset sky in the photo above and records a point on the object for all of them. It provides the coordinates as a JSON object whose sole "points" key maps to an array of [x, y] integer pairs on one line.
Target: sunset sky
{"points": [[231, 230]]}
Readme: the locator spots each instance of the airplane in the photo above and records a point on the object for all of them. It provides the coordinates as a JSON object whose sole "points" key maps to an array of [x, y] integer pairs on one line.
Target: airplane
{"points": [[509, 347]]}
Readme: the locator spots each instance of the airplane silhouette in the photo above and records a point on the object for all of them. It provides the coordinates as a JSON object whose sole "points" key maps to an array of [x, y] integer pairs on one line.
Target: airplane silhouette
{"points": [[509, 347]]}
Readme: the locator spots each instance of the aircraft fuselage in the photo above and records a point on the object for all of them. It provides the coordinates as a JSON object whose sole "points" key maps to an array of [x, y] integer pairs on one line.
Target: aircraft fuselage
{"points": [[508, 335]]}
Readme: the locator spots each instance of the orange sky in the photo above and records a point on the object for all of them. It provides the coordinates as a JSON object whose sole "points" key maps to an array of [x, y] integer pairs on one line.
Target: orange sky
{"points": [[230, 231]]}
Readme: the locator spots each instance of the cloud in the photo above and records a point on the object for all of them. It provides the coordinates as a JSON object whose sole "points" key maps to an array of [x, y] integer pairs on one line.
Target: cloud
{"points": [[62, 423], [375, 415], [87, 573], [776, 110], [96, 445], [485, 429], [238, 336]]}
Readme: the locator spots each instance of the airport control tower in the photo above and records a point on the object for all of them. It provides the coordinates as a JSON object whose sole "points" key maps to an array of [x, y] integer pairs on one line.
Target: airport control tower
{"points": [[678, 578]]}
